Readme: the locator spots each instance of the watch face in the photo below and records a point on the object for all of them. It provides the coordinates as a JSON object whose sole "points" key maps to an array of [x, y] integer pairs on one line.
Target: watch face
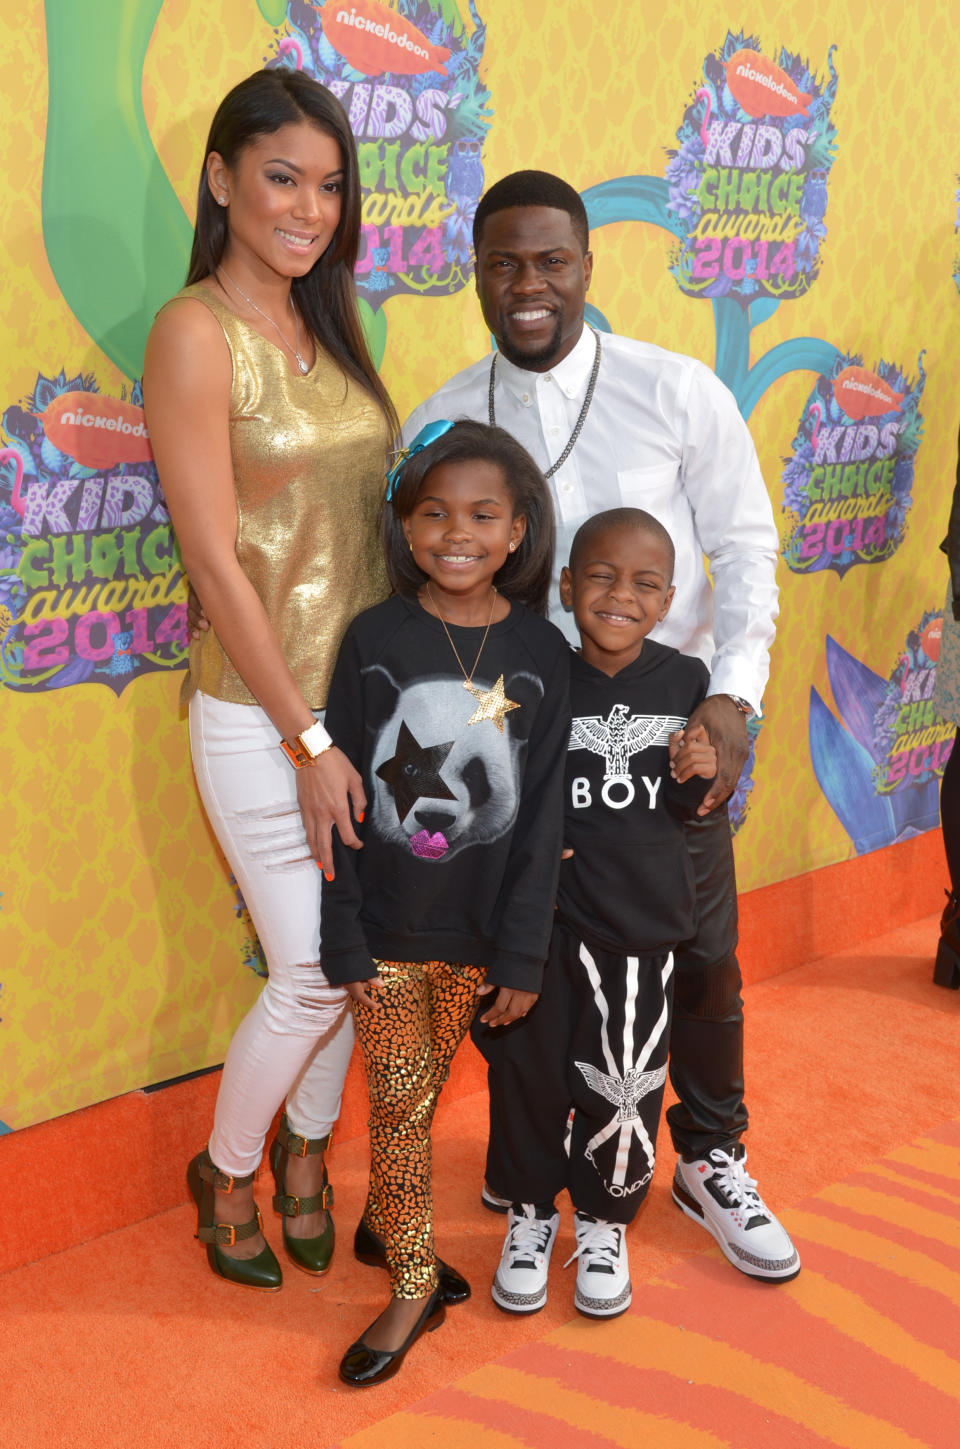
{"points": [[314, 740]]}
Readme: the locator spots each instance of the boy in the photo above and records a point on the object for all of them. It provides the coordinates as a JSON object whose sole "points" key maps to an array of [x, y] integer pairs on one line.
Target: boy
{"points": [[597, 1039]]}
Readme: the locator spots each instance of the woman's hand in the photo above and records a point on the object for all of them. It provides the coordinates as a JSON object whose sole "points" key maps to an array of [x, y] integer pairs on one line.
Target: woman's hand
{"points": [[509, 1006], [327, 791], [358, 991]]}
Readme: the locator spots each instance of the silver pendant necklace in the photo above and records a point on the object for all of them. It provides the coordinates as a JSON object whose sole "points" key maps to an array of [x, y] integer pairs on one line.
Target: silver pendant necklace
{"points": [[303, 366], [578, 425]]}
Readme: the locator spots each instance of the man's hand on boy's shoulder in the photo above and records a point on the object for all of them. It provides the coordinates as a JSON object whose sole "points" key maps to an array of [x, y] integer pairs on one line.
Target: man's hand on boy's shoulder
{"points": [[726, 728]]}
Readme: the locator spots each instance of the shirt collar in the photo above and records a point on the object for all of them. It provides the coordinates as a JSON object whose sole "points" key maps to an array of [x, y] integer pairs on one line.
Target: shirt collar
{"points": [[570, 375]]}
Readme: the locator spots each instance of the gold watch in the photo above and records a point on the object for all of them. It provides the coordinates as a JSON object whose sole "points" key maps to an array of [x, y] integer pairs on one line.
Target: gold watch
{"points": [[303, 749]]}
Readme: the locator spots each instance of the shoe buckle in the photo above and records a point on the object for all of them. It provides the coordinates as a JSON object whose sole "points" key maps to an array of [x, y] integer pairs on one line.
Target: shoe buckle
{"points": [[226, 1235], [287, 1204], [297, 1146], [326, 1197]]}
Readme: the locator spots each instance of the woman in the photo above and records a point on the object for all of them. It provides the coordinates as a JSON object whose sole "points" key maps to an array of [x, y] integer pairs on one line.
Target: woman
{"points": [[270, 430], [946, 699]]}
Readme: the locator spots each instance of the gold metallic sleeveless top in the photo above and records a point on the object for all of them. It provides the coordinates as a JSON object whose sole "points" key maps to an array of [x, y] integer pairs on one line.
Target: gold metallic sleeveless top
{"points": [[309, 459]]}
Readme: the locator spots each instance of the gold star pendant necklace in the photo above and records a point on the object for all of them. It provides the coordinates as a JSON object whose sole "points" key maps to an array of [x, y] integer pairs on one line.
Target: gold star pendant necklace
{"points": [[492, 704]]}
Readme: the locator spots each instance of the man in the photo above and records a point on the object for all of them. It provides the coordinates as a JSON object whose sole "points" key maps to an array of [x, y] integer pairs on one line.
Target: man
{"points": [[614, 423]]}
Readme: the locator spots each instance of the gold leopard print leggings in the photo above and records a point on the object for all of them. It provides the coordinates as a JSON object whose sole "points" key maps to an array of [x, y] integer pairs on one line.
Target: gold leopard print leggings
{"points": [[408, 1045]]}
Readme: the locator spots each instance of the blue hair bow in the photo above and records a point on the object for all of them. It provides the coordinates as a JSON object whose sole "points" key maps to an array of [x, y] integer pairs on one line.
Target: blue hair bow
{"points": [[427, 435]]}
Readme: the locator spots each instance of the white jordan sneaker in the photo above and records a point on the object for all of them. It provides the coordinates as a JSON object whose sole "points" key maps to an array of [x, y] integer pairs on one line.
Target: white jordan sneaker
{"points": [[520, 1284], [716, 1192], [603, 1270]]}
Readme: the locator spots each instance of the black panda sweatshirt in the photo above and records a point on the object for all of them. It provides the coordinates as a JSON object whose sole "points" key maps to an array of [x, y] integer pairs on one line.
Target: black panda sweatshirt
{"points": [[463, 828], [629, 886]]}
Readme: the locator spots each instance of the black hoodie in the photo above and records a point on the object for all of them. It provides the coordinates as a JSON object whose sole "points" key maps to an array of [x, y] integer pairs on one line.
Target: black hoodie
{"points": [[629, 887]]}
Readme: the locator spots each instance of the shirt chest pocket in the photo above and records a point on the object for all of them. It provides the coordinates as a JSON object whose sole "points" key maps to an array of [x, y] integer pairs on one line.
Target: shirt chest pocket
{"points": [[654, 489]]}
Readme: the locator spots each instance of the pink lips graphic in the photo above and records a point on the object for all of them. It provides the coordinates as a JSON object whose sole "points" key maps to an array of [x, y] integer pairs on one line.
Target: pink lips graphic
{"points": [[430, 847]]}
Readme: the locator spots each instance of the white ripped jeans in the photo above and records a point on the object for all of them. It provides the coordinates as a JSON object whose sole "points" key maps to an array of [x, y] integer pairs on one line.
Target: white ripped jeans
{"points": [[295, 1041]]}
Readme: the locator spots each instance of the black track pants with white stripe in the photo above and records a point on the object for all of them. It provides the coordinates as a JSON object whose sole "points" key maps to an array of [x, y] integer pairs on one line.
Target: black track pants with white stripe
{"points": [[595, 1043]]}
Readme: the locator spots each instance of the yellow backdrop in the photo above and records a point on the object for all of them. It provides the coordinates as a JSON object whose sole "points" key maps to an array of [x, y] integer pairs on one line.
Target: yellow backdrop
{"points": [[126, 957]]}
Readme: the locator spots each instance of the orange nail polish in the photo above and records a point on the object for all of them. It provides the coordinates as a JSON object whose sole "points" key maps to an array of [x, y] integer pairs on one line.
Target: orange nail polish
{"points": [[360, 816], [319, 865], [326, 876]]}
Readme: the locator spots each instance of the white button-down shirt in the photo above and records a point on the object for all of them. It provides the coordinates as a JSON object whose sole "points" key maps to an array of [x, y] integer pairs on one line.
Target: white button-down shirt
{"points": [[663, 434]]}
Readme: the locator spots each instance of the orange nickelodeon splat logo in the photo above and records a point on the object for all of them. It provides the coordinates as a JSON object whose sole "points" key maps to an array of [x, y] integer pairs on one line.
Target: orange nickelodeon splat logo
{"points": [[930, 638], [764, 89], [97, 431], [373, 38], [862, 394]]}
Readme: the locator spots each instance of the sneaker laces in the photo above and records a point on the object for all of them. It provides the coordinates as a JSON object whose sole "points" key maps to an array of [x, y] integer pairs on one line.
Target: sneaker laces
{"points": [[528, 1236], [738, 1186], [599, 1242]]}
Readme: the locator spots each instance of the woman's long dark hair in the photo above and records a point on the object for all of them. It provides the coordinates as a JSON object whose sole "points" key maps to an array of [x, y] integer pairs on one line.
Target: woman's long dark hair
{"points": [[525, 574], [326, 296]]}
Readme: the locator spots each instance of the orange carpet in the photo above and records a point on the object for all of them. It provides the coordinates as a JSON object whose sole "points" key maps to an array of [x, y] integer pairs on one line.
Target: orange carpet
{"points": [[853, 1087]]}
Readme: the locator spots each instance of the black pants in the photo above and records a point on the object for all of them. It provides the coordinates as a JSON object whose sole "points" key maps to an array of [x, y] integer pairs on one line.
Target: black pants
{"points": [[950, 813], [596, 1042], [706, 1039], [706, 1042]]}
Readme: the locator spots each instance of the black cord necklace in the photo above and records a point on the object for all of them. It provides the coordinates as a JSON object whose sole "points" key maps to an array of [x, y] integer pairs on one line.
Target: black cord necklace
{"points": [[578, 425]]}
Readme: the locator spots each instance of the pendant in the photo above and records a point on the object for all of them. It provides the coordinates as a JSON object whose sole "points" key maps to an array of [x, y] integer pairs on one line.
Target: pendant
{"points": [[302, 365], [492, 704]]}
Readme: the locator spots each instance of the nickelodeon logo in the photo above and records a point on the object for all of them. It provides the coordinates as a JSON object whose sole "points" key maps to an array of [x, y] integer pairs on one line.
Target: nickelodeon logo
{"points": [[97, 431], [763, 88], [374, 39], [861, 393]]}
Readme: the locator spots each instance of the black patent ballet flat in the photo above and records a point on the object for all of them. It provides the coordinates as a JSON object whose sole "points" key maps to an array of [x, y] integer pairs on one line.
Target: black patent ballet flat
{"points": [[363, 1366], [368, 1248]]}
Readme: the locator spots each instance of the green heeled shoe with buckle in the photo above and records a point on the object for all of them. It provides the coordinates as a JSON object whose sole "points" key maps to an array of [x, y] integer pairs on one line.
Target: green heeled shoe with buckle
{"points": [[313, 1255], [263, 1271]]}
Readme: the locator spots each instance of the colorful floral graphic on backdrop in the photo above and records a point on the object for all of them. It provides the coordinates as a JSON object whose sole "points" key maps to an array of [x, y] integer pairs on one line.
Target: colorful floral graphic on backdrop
{"points": [[91, 587], [911, 742], [739, 802], [880, 759], [748, 181], [251, 951], [847, 486], [409, 80]]}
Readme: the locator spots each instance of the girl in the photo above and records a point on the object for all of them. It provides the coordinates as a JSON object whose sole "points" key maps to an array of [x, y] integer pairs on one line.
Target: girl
{"points": [[451, 699], [270, 430]]}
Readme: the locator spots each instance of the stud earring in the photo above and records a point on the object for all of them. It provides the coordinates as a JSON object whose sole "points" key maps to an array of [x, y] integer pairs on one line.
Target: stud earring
{"points": [[511, 548], [222, 200]]}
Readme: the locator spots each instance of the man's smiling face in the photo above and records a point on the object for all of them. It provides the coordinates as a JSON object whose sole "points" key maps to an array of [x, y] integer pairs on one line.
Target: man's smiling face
{"points": [[532, 278]]}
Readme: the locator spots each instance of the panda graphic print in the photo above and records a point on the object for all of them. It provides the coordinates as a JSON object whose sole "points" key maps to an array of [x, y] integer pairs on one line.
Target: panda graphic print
{"points": [[441, 783], [464, 788]]}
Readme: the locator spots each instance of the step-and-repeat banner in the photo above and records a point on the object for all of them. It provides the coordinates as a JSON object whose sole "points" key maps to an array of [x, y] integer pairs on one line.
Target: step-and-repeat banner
{"points": [[781, 203]]}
